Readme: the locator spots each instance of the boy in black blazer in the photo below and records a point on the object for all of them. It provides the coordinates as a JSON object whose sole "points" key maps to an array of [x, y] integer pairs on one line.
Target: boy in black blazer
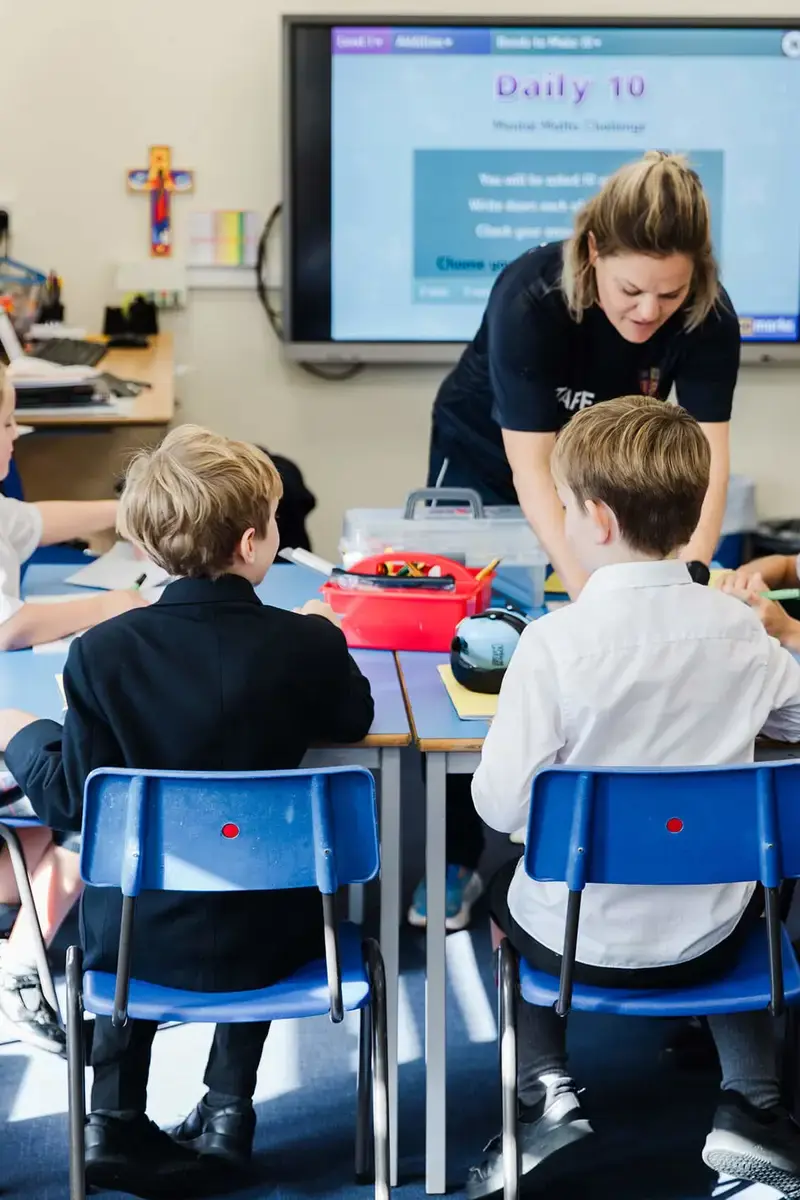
{"points": [[207, 678]]}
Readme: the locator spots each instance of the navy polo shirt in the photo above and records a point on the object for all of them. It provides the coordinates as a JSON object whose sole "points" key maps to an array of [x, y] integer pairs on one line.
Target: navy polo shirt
{"points": [[531, 366]]}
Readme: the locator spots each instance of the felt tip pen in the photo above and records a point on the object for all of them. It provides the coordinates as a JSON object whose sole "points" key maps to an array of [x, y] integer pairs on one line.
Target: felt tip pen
{"points": [[782, 594], [139, 582]]}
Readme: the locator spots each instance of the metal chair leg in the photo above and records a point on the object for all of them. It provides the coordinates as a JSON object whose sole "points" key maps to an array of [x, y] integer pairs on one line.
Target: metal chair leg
{"points": [[364, 1098], [76, 1060], [507, 964], [22, 879], [380, 1070]]}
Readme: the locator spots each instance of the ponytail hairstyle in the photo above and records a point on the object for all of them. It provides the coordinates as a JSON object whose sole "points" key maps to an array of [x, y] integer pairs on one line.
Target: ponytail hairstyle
{"points": [[654, 206]]}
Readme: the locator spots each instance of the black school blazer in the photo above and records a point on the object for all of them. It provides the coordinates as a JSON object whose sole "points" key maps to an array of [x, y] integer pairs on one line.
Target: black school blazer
{"points": [[207, 679]]}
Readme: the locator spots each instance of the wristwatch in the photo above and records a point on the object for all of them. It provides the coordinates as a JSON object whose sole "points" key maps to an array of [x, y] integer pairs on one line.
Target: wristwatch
{"points": [[699, 571]]}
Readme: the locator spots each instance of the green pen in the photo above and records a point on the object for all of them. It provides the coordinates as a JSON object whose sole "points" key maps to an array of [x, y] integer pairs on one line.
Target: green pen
{"points": [[139, 581], [782, 594]]}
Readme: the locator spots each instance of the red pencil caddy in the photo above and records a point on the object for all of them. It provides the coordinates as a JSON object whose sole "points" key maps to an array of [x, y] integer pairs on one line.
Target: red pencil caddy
{"points": [[413, 619]]}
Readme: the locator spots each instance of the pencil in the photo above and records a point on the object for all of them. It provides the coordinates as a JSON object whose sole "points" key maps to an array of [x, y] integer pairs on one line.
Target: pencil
{"points": [[782, 594], [487, 570]]}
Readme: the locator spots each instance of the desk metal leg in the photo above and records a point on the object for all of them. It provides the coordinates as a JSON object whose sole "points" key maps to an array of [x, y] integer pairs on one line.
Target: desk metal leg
{"points": [[355, 903], [390, 921], [435, 977]]}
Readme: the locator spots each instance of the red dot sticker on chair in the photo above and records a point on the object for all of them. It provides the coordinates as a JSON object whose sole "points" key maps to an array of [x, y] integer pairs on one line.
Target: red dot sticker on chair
{"points": [[230, 830], [674, 825]]}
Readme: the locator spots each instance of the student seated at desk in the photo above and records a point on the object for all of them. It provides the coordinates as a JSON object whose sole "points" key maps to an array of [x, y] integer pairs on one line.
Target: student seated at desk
{"points": [[23, 527], [645, 669], [763, 575], [54, 867], [207, 678]]}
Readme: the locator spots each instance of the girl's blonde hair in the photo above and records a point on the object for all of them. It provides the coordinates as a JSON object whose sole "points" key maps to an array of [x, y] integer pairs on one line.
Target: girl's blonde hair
{"points": [[655, 206]]}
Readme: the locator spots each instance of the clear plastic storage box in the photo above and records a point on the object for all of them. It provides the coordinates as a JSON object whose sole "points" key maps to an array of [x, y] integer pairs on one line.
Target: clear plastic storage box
{"points": [[455, 525], [454, 522]]}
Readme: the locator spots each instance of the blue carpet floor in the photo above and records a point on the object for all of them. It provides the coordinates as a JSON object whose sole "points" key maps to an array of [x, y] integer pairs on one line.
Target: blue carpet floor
{"points": [[650, 1122]]}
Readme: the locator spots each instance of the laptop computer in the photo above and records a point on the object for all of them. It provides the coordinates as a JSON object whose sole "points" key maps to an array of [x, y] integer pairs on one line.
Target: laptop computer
{"points": [[65, 352], [45, 384]]}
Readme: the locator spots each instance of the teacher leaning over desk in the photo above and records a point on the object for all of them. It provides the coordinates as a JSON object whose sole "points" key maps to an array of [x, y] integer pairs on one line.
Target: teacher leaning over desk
{"points": [[632, 303]]}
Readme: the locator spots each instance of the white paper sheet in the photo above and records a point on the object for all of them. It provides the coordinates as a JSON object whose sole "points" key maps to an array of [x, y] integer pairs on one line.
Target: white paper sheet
{"points": [[119, 568]]}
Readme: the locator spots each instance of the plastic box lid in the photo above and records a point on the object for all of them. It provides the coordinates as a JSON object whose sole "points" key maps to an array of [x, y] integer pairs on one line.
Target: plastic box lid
{"points": [[459, 527]]}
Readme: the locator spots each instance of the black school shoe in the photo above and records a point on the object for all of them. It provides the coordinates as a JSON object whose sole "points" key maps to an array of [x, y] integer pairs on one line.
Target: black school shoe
{"points": [[755, 1145], [137, 1157], [543, 1131], [224, 1132]]}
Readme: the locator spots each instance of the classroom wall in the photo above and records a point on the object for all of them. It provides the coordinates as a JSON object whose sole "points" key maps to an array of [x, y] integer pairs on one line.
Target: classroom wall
{"points": [[87, 86]]}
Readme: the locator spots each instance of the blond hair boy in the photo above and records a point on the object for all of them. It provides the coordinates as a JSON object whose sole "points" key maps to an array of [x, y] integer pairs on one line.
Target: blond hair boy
{"points": [[645, 669], [206, 679]]}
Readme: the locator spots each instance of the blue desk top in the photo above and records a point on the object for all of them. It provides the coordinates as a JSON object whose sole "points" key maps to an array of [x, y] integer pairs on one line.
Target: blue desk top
{"points": [[286, 585], [28, 679], [437, 725]]}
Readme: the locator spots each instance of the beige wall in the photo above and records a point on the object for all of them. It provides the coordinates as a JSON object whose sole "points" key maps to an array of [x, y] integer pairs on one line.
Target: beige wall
{"points": [[87, 85]]}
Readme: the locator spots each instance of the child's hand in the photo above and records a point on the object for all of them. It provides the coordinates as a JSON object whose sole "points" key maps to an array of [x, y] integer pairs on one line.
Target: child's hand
{"points": [[743, 583], [743, 579], [114, 603], [773, 616], [318, 608]]}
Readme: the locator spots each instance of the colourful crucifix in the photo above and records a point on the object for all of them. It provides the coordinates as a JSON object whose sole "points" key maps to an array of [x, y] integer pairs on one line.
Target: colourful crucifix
{"points": [[160, 180]]}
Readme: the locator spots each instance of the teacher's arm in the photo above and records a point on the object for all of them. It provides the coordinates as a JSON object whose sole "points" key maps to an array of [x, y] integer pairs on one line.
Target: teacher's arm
{"points": [[707, 534], [705, 383], [526, 373], [528, 455]]}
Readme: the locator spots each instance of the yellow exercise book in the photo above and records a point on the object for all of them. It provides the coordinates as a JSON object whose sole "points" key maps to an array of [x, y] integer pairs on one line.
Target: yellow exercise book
{"points": [[554, 586], [470, 706]]}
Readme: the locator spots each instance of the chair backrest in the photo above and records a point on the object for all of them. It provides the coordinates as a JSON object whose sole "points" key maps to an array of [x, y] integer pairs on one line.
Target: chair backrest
{"points": [[221, 832], [669, 826], [218, 832], [708, 825], [11, 486]]}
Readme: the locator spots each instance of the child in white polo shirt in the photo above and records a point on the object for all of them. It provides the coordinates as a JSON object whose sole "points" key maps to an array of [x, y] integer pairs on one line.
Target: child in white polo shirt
{"points": [[645, 669], [23, 527], [53, 866]]}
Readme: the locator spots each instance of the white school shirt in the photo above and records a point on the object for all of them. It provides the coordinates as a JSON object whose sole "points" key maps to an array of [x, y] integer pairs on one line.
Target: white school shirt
{"points": [[645, 669], [20, 534]]}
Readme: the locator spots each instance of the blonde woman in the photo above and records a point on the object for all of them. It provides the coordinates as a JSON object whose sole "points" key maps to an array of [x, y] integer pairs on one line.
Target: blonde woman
{"points": [[631, 304]]}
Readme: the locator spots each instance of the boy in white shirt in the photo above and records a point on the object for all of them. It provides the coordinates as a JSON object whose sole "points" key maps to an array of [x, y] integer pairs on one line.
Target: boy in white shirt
{"points": [[53, 866], [645, 669]]}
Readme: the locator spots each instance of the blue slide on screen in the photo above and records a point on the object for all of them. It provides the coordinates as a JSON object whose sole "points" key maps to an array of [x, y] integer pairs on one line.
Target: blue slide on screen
{"points": [[455, 150]]}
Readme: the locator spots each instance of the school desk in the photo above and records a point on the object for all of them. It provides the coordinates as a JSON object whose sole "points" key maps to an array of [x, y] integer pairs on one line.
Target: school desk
{"points": [[28, 681], [451, 747], [78, 455]]}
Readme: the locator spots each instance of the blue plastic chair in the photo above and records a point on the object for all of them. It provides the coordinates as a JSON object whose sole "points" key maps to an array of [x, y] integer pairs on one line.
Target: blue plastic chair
{"points": [[201, 832], [672, 826], [8, 833], [12, 484]]}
